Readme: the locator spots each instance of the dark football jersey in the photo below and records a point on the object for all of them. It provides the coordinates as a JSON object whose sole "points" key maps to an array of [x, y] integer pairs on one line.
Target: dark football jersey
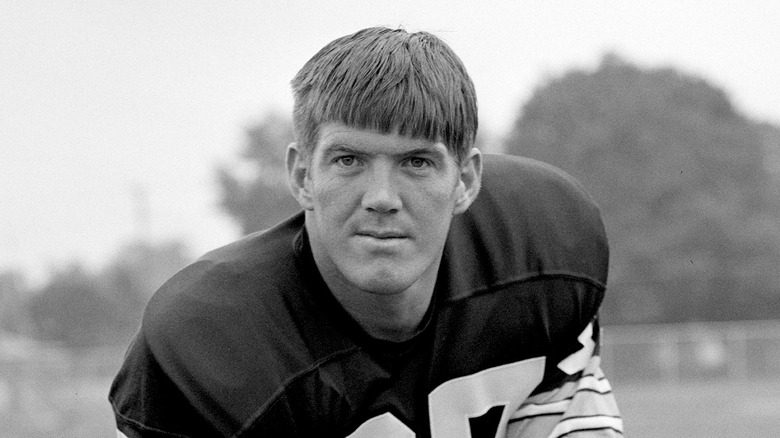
{"points": [[249, 342]]}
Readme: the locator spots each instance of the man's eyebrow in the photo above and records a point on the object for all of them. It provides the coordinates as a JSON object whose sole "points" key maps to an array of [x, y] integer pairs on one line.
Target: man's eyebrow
{"points": [[430, 151], [336, 148]]}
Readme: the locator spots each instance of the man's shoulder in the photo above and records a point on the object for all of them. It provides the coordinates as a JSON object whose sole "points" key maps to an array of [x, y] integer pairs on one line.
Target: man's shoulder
{"points": [[514, 178], [237, 310], [530, 219], [525, 268], [228, 286]]}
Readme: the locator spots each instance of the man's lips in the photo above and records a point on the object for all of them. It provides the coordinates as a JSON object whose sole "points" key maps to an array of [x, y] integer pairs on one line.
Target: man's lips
{"points": [[382, 234]]}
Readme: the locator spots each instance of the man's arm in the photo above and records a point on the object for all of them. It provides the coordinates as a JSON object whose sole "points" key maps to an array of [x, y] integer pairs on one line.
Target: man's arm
{"points": [[582, 405]]}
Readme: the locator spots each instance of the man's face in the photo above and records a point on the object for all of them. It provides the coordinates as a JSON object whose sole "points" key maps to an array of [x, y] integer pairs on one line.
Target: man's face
{"points": [[379, 207]]}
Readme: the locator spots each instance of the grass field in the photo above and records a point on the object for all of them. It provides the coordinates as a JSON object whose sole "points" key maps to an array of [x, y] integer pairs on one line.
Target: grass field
{"points": [[72, 408], [78, 408], [702, 409]]}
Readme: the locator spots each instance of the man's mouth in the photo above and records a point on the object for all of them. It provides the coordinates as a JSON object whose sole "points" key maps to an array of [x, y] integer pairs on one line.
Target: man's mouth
{"points": [[382, 234]]}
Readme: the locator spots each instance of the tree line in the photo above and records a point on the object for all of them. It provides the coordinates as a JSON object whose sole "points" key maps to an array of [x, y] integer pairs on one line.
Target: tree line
{"points": [[76, 307], [688, 188]]}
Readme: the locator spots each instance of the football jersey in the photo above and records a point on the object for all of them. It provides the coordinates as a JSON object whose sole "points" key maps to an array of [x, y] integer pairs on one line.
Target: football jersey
{"points": [[249, 342]]}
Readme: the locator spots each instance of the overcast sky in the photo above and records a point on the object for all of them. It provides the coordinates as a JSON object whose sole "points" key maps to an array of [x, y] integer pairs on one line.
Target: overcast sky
{"points": [[106, 103]]}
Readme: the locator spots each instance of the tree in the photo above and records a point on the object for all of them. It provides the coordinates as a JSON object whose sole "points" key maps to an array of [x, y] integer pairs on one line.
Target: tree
{"points": [[137, 271], [13, 316], [79, 308], [679, 174], [73, 309], [259, 197]]}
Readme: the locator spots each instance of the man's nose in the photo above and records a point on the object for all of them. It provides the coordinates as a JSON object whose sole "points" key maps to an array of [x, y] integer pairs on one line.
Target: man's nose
{"points": [[381, 191]]}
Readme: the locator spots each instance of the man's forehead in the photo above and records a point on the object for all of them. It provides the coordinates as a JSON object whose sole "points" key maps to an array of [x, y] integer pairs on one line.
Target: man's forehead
{"points": [[336, 136]]}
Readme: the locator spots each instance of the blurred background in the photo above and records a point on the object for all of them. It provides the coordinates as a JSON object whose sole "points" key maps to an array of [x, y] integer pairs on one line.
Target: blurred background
{"points": [[135, 136]]}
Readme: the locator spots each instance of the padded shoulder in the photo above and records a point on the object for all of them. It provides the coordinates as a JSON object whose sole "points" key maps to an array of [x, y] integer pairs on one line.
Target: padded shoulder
{"points": [[219, 319], [244, 276], [530, 219]]}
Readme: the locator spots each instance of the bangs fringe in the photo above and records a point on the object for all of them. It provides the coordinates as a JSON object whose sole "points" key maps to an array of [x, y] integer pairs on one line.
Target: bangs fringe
{"points": [[415, 86]]}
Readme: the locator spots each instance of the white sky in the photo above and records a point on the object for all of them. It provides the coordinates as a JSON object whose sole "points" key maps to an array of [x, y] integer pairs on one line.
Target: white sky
{"points": [[103, 100]]}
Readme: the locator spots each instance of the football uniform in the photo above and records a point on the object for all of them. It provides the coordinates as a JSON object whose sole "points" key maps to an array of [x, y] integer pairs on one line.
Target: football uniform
{"points": [[249, 342]]}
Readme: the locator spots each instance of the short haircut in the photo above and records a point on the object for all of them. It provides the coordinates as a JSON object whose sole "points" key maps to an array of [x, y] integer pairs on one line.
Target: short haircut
{"points": [[385, 80]]}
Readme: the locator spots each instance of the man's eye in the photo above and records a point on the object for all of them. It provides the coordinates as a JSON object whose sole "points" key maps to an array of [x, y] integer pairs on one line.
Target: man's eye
{"points": [[346, 161], [418, 162]]}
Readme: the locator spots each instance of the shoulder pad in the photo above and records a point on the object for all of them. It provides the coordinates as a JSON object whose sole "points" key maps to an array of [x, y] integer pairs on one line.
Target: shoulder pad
{"points": [[530, 219]]}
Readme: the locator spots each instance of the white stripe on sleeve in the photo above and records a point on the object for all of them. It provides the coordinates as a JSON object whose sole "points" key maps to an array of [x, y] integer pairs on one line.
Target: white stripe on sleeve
{"points": [[575, 424]]}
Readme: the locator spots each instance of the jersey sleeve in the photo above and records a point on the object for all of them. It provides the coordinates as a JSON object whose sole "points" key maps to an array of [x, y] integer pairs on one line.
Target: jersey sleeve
{"points": [[147, 403], [579, 404], [218, 341], [181, 371]]}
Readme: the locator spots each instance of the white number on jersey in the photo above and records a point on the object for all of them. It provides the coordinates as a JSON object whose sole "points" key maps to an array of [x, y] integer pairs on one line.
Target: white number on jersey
{"points": [[474, 406]]}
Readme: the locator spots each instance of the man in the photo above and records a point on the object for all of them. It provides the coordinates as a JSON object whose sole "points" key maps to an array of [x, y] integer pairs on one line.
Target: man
{"points": [[416, 295]]}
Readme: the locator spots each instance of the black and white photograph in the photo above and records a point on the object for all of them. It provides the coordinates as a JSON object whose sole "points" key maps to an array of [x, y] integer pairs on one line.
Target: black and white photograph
{"points": [[389, 219]]}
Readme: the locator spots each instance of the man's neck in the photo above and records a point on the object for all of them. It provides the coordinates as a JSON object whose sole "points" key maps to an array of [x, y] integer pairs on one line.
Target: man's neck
{"points": [[394, 317]]}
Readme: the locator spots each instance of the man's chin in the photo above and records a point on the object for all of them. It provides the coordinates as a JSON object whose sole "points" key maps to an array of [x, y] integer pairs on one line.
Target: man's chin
{"points": [[385, 288], [383, 282]]}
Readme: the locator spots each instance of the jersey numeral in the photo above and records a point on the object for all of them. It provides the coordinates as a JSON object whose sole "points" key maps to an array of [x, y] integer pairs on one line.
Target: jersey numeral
{"points": [[459, 404], [385, 425], [474, 406]]}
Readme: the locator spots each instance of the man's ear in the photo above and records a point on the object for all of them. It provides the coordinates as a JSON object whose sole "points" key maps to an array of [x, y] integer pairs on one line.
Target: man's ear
{"points": [[298, 176], [470, 181]]}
